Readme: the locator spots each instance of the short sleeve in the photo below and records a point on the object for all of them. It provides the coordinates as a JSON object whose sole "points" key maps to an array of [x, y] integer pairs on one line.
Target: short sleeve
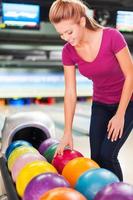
{"points": [[118, 41], [67, 56]]}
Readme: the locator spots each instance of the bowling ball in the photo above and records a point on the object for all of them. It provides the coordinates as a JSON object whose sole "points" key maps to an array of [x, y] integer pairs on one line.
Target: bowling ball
{"points": [[49, 153], [62, 194], [22, 160], [116, 191], [92, 181], [14, 145], [18, 152], [74, 168], [46, 144], [16, 102], [59, 161], [29, 172], [43, 183]]}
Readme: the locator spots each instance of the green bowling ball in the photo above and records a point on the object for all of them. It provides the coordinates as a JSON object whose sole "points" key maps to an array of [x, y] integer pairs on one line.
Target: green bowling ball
{"points": [[49, 153]]}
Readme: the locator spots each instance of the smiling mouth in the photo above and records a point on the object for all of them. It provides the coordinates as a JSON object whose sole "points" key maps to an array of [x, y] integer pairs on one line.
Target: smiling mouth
{"points": [[71, 41]]}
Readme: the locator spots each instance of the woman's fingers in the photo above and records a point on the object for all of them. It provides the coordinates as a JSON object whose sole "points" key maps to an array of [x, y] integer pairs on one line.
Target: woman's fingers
{"points": [[115, 135], [66, 141], [115, 128], [121, 132], [59, 150], [71, 145]]}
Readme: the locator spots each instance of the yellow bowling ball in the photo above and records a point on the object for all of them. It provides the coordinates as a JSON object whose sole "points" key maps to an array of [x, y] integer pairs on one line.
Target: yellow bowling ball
{"points": [[29, 172], [18, 152]]}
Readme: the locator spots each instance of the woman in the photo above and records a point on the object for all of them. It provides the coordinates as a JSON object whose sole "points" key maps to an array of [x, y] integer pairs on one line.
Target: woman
{"points": [[102, 55]]}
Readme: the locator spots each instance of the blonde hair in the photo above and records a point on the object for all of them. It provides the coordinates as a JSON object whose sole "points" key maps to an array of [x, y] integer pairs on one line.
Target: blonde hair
{"points": [[71, 9]]}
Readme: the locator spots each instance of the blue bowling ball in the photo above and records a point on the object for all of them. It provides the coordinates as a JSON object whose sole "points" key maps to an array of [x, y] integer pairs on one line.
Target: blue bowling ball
{"points": [[14, 145], [94, 180], [16, 102]]}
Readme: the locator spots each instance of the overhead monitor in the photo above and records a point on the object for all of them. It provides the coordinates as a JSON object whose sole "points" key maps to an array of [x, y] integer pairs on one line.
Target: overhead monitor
{"points": [[124, 21], [24, 16], [0, 12]]}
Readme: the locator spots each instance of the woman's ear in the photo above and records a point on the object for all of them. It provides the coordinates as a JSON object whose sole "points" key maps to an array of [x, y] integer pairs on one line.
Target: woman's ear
{"points": [[83, 21]]}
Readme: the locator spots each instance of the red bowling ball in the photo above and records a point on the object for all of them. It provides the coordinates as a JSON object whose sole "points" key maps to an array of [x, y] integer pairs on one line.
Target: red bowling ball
{"points": [[60, 161]]}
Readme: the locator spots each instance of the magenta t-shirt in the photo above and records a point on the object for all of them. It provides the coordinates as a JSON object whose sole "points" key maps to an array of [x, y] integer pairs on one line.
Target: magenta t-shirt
{"points": [[104, 70]]}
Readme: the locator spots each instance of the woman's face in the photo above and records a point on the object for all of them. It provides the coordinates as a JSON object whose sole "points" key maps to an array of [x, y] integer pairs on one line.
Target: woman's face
{"points": [[70, 31]]}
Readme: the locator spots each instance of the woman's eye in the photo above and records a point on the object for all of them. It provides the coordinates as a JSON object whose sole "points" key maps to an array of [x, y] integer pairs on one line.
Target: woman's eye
{"points": [[70, 32], [61, 36]]}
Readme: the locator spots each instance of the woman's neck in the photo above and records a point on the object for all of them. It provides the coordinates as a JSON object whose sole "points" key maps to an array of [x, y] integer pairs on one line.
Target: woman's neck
{"points": [[89, 36]]}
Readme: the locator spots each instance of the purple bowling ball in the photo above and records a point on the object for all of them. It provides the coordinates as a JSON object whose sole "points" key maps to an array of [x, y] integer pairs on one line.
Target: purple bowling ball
{"points": [[116, 191], [43, 183], [47, 143]]}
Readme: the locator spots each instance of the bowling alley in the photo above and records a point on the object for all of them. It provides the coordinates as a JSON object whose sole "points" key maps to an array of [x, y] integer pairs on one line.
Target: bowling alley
{"points": [[66, 99]]}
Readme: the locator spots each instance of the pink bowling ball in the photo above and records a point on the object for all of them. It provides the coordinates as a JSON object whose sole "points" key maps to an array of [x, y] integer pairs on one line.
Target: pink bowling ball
{"points": [[22, 160]]}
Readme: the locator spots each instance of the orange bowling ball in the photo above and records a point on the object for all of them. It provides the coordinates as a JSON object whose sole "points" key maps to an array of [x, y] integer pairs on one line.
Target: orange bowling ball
{"points": [[74, 168], [62, 193]]}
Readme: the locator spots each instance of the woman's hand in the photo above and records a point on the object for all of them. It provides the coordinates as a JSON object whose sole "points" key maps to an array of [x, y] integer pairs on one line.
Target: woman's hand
{"points": [[66, 140], [115, 127]]}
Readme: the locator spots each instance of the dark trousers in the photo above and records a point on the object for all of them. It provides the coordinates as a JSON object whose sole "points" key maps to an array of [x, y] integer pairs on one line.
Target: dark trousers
{"points": [[103, 151]]}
